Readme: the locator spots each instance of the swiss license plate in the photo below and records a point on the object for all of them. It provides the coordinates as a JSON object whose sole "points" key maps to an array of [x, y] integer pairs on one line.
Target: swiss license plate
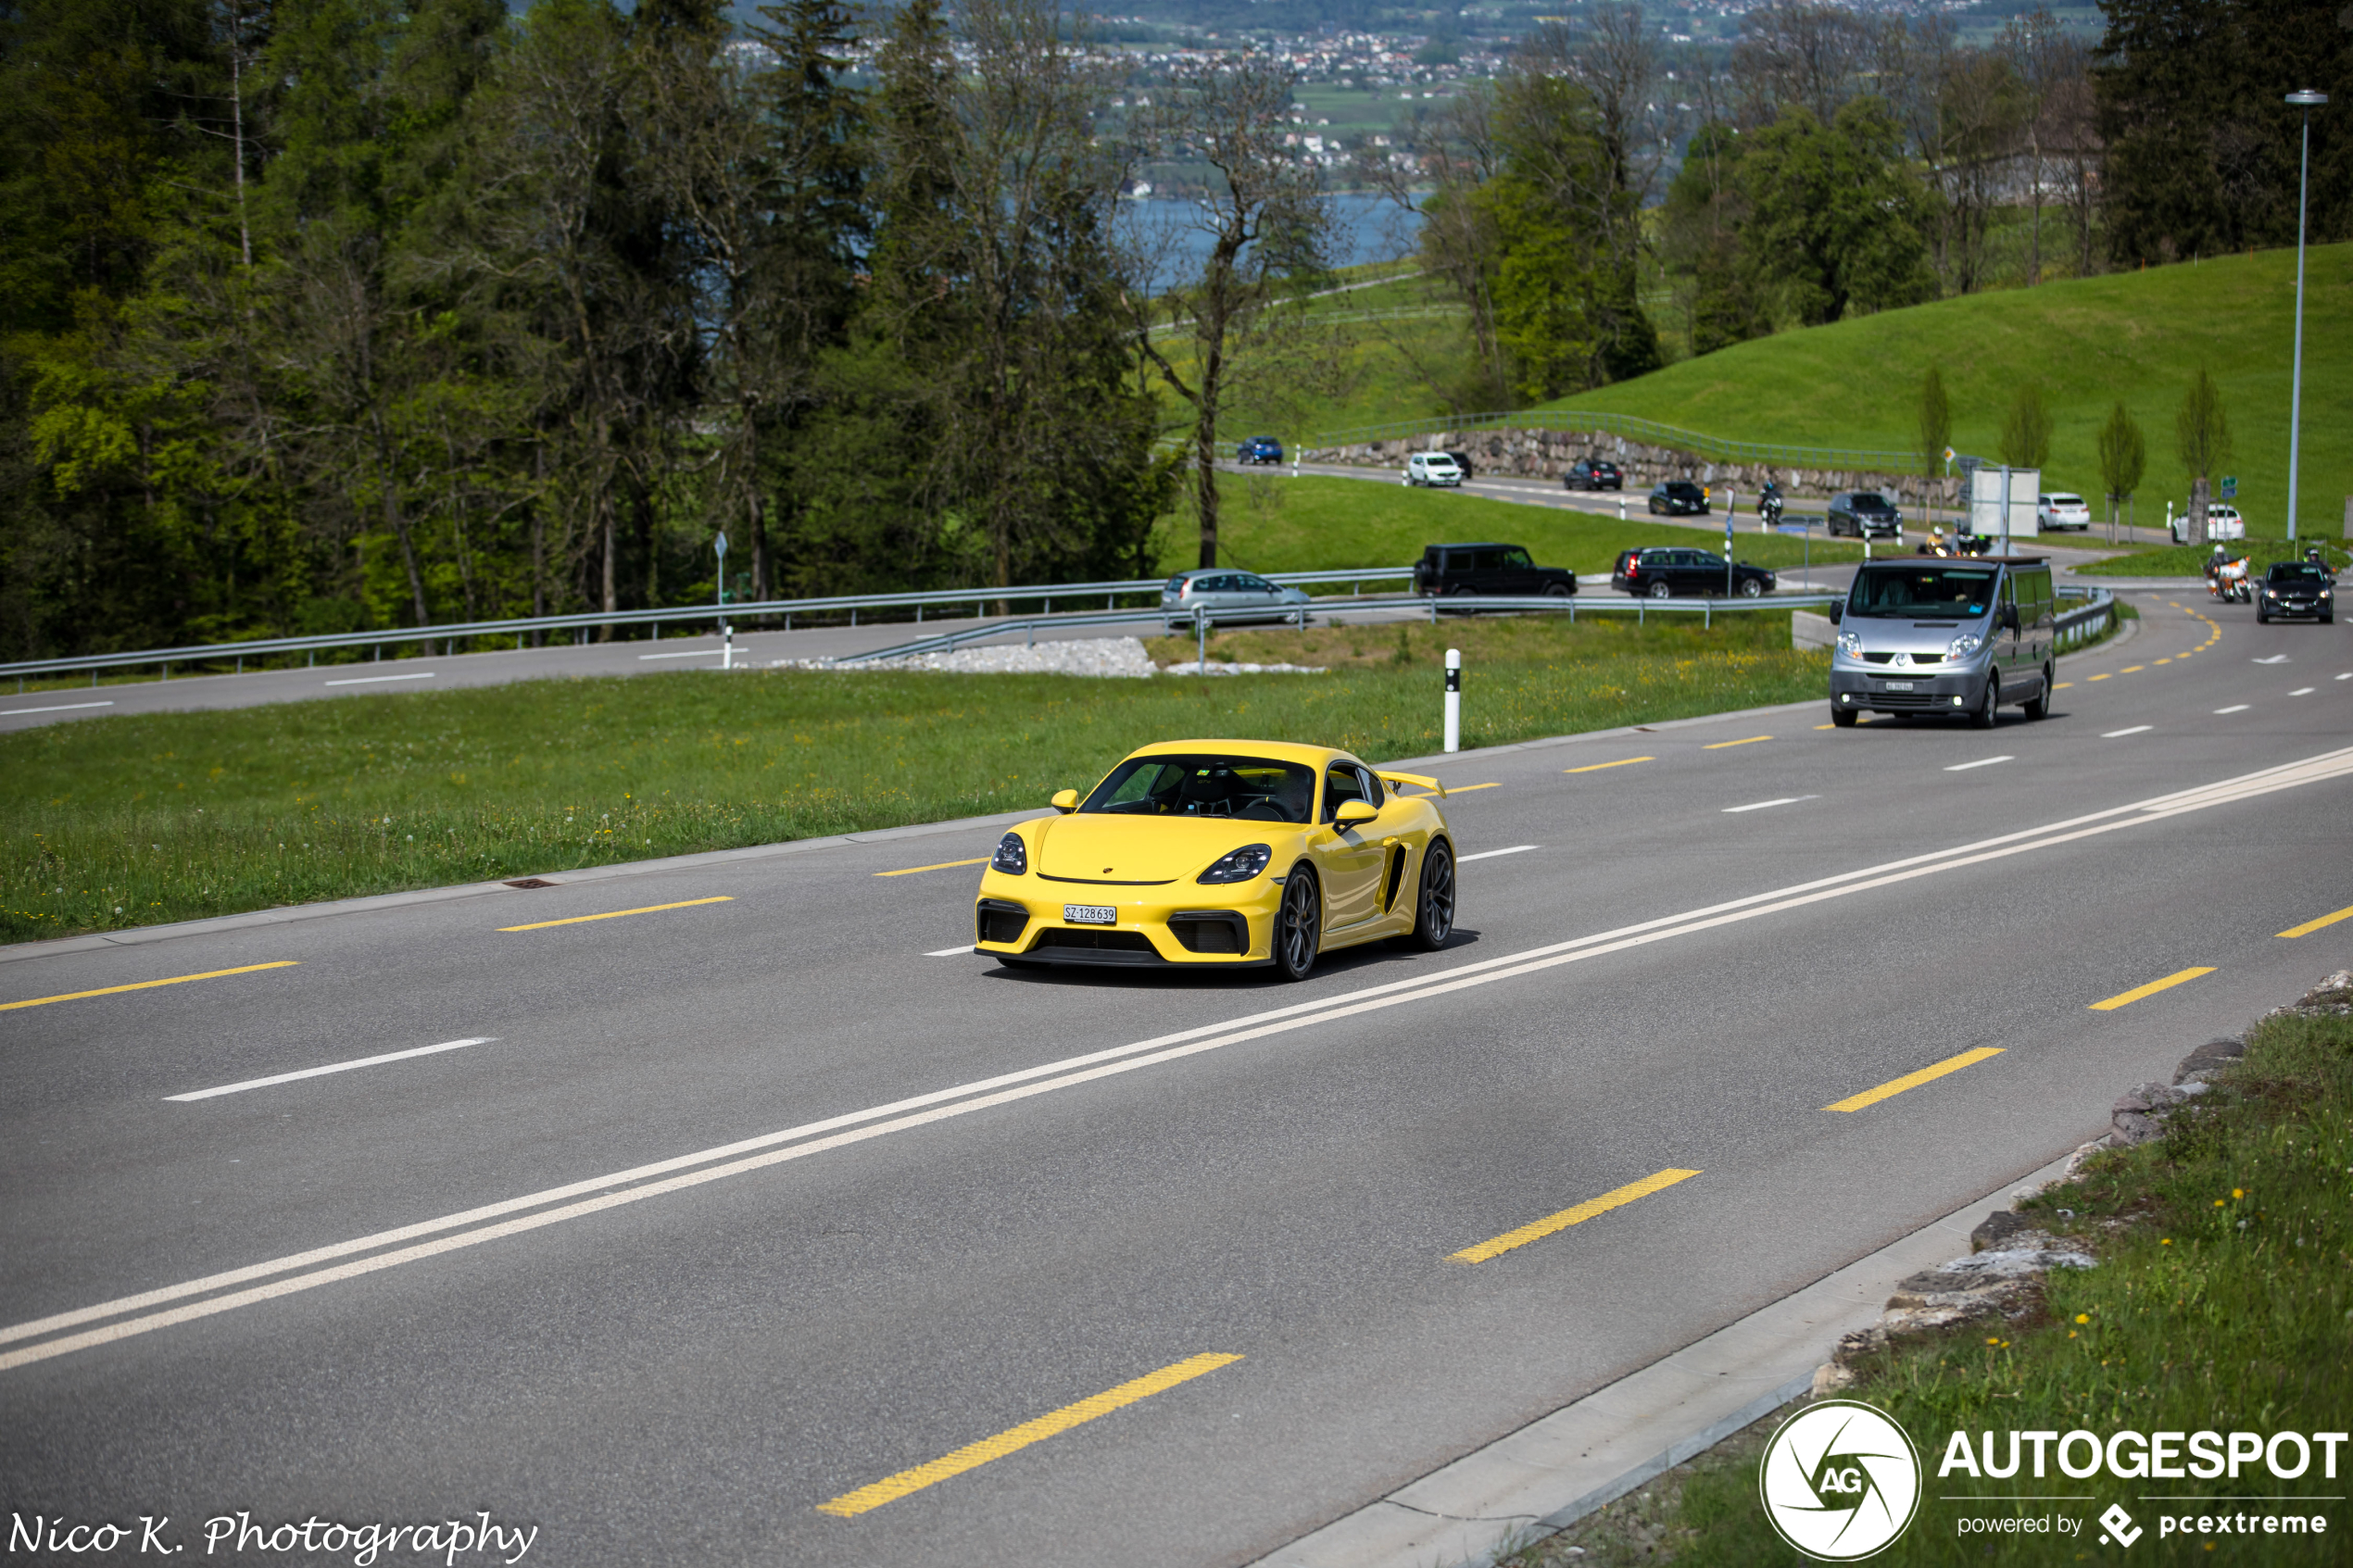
{"points": [[1090, 914], [1899, 685]]}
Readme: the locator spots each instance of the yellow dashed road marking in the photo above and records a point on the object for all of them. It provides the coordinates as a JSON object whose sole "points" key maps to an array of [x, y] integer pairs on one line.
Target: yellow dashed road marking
{"points": [[1583, 1212], [1895, 1087]]}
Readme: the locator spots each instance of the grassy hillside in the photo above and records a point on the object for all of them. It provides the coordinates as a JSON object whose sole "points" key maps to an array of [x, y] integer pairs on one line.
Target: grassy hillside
{"points": [[2138, 336]]}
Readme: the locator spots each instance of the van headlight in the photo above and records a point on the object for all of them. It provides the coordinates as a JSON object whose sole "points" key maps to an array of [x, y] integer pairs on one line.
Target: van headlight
{"points": [[1962, 646], [1012, 856], [1239, 865], [1851, 644]]}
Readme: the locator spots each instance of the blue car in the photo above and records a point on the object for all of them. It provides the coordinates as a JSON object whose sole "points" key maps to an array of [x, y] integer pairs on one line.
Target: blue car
{"points": [[1260, 449]]}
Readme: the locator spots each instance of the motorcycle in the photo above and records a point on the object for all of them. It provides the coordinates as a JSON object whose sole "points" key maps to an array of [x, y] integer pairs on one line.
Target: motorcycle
{"points": [[2228, 581], [1770, 509]]}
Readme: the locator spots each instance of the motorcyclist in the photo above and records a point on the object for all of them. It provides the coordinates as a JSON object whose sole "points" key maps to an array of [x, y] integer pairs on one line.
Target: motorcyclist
{"points": [[1769, 503]]}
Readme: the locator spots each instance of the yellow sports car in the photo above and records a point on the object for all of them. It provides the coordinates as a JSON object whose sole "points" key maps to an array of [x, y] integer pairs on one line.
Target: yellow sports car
{"points": [[1239, 853]]}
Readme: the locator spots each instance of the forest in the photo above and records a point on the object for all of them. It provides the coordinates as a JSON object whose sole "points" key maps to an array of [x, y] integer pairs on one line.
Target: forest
{"points": [[333, 314]]}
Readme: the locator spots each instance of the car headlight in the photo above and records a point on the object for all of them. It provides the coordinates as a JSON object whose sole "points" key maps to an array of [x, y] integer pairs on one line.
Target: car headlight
{"points": [[1239, 865], [1963, 645], [1012, 856], [1851, 644], [2324, 592]]}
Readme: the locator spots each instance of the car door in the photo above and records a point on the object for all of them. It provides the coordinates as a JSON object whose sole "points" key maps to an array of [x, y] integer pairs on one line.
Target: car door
{"points": [[1262, 596], [1516, 572], [1348, 860], [2009, 634]]}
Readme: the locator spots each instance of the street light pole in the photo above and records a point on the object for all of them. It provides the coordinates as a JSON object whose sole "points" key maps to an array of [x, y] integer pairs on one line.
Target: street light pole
{"points": [[2307, 100]]}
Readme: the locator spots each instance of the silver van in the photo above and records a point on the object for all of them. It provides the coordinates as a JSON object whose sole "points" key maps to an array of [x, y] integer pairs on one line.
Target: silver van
{"points": [[1956, 637]]}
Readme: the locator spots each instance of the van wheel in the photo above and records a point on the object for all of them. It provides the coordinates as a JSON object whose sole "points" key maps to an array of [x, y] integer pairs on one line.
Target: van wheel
{"points": [[1844, 717], [1983, 717]]}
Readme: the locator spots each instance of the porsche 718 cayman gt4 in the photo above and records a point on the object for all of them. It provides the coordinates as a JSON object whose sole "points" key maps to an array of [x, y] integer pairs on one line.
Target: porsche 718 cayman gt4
{"points": [[1214, 852]]}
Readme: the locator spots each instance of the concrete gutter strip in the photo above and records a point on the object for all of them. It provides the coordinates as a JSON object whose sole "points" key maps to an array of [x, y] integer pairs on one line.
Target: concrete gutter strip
{"points": [[1554, 1472]]}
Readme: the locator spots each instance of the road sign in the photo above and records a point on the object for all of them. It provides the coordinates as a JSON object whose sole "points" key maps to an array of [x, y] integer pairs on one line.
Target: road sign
{"points": [[2229, 487]]}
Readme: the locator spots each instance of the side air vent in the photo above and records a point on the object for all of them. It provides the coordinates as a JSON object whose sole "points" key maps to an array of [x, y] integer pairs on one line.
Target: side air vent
{"points": [[1001, 921], [1211, 930]]}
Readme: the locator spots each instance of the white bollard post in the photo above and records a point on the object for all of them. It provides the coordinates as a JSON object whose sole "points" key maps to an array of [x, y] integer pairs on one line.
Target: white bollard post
{"points": [[1621, 506], [727, 651], [1454, 699]]}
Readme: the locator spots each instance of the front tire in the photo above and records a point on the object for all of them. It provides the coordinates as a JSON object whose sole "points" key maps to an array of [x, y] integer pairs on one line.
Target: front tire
{"points": [[1983, 717], [1298, 925], [1656, 510], [1844, 717], [1434, 905], [1751, 588]]}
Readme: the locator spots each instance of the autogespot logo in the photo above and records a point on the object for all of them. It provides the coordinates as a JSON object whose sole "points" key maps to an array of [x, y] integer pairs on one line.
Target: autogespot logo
{"points": [[1840, 1480]]}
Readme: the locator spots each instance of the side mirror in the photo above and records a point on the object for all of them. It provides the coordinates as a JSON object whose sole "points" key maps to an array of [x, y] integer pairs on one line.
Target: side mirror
{"points": [[2010, 617], [1064, 801], [1350, 813]]}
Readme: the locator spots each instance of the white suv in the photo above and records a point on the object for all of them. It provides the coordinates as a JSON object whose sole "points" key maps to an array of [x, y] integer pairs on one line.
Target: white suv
{"points": [[2056, 512], [1432, 468], [2221, 523]]}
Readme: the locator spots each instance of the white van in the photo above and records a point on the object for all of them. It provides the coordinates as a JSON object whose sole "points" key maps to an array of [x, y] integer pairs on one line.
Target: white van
{"points": [[1433, 468]]}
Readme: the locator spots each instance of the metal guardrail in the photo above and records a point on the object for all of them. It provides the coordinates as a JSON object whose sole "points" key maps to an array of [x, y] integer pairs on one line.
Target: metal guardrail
{"points": [[1641, 606], [523, 628], [1593, 422]]}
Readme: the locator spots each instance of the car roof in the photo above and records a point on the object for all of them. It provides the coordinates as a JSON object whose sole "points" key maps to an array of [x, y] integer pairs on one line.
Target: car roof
{"points": [[1476, 544], [1219, 571]]}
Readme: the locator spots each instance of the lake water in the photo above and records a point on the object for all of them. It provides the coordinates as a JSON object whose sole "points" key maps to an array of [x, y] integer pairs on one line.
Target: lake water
{"points": [[1366, 229]]}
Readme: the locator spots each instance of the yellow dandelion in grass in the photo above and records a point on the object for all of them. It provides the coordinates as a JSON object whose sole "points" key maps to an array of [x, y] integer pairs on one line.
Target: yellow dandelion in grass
{"points": [[2082, 1317], [2217, 1203], [2165, 1241], [1990, 1340], [2238, 1192]]}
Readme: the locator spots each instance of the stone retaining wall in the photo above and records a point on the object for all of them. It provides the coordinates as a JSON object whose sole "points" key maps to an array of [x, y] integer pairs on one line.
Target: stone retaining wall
{"points": [[1546, 454]]}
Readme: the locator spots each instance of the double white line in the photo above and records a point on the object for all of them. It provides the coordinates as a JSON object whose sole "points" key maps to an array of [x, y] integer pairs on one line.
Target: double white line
{"points": [[225, 1292]]}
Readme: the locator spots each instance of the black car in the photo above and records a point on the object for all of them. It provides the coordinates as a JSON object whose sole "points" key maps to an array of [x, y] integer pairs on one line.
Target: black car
{"points": [[1676, 497], [1662, 571], [2297, 587], [1463, 461], [1866, 514], [1592, 473], [1489, 569]]}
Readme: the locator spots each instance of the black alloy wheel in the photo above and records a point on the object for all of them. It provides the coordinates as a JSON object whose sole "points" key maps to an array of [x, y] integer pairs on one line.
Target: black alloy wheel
{"points": [[1751, 588], [1298, 925], [1983, 717], [1661, 589], [1434, 909]]}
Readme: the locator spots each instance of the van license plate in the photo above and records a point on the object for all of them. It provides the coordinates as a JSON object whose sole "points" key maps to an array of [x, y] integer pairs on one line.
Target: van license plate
{"points": [[1090, 914], [1899, 685]]}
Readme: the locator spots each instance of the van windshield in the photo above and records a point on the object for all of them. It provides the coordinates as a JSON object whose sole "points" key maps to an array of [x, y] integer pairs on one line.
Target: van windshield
{"points": [[1913, 593]]}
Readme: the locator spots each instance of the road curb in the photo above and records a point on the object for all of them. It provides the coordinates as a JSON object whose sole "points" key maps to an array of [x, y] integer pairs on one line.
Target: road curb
{"points": [[1559, 1469]]}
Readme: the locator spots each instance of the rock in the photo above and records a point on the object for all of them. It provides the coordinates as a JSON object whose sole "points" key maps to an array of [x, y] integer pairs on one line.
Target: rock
{"points": [[1853, 1346], [2085, 1151], [1831, 1378], [2207, 1059], [1994, 1227], [2139, 1117], [2333, 995]]}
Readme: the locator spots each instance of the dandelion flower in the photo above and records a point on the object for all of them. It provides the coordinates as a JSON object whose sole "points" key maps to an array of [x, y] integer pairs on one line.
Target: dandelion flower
{"points": [[2082, 1317]]}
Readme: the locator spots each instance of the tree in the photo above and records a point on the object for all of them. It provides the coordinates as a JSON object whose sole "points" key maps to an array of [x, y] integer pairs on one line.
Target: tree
{"points": [[2123, 459], [1266, 226], [2026, 429], [1936, 423], [1837, 219], [2201, 429]]}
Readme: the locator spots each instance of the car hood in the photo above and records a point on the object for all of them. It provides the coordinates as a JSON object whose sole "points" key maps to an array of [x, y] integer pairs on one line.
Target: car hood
{"points": [[1911, 636], [1101, 848]]}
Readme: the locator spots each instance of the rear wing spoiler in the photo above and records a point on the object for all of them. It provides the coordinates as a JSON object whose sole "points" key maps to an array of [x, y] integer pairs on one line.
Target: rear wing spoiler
{"points": [[1417, 780]]}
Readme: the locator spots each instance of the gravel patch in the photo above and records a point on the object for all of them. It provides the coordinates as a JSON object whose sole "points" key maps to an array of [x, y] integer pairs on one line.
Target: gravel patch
{"points": [[1090, 656]]}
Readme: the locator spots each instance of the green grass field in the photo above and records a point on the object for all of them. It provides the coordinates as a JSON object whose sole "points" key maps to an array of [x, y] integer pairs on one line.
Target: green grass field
{"points": [[2135, 337], [123, 821], [1271, 523]]}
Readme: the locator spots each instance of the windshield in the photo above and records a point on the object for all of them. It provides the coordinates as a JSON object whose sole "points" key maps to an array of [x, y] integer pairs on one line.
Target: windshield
{"points": [[1919, 592], [1252, 788], [2294, 572], [1870, 501]]}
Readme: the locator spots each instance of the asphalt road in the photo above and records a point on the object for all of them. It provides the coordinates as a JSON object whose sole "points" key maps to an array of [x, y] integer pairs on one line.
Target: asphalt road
{"points": [[741, 1205], [753, 649]]}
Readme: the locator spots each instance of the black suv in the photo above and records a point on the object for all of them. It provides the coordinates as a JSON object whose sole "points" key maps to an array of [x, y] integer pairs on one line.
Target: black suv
{"points": [[1592, 473], [1676, 497], [2297, 587], [1463, 461], [1866, 514], [1489, 569], [1659, 571]]}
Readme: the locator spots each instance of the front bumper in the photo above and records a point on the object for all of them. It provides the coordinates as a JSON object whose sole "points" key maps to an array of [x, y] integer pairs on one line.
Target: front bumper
{"points": [[2315, 609], [1877, 689], [1179, 923]]}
